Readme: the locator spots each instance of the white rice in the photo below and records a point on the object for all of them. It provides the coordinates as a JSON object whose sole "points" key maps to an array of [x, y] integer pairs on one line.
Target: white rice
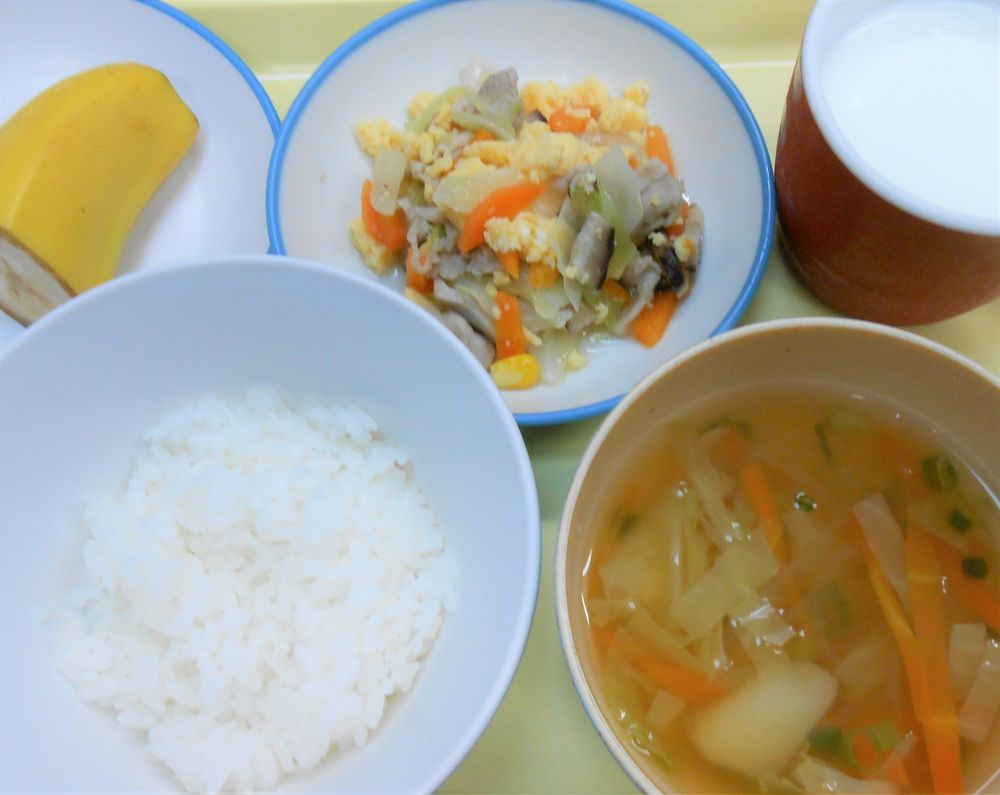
{"points": [[268, 578]]}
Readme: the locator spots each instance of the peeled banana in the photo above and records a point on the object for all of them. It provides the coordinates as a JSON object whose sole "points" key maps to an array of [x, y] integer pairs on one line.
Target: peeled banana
{"points": [[77, 165]]}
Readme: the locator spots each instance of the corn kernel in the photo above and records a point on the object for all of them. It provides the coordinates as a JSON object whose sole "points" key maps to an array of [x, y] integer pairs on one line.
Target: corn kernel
{"points": [[516, 372]]}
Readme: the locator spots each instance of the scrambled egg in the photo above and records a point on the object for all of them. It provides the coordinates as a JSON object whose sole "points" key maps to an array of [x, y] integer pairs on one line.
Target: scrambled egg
{"points": [[538, 152], [376, 256], [528, 234]]}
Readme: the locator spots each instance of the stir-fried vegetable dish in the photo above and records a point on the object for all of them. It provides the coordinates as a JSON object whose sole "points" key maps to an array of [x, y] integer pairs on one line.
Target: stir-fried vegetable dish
{"points": [[533, 220], [798, 592]]}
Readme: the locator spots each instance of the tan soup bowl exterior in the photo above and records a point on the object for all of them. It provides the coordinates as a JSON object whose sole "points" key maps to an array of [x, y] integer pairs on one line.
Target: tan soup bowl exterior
{"points": [[929, 381], [853, 245]]}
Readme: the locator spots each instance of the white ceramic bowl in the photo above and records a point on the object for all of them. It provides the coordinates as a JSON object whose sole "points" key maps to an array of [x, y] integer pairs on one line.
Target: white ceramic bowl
{"points": [[955, 397], [80, 386], [213, 203], [318, 168]]}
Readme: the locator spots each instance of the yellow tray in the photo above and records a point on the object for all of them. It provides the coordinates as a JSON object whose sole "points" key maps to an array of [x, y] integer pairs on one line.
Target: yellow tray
{"points": [[541, 740]]}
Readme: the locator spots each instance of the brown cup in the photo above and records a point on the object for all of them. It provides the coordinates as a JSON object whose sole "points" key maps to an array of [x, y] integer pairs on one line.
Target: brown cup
{"points": [[854, 246]]}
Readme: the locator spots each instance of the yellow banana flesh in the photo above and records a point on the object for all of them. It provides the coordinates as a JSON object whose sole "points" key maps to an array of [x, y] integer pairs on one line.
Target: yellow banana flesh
{"points": [[77, 165]]}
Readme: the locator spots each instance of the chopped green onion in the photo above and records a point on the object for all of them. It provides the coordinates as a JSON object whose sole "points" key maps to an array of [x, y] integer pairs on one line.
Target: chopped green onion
{"points": [[977, 568], [959, 520], [420, 123], [824, 442], [939, 473], [627, 523], [885, 735], [804, 502], [827, 740]]}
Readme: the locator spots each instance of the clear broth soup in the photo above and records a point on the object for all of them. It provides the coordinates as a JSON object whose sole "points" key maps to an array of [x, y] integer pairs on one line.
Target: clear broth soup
{"points": [[797, 590]]}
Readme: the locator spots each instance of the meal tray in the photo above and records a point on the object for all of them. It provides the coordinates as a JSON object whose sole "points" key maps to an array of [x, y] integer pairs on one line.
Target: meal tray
{"points": [[541, 740]]}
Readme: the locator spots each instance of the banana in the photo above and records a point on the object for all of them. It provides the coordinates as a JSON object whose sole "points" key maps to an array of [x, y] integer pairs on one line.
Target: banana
{"points": [[77, 165]]}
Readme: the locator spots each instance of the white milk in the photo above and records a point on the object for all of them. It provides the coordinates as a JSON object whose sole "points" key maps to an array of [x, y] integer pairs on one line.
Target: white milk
{"points": [[915, 89]]}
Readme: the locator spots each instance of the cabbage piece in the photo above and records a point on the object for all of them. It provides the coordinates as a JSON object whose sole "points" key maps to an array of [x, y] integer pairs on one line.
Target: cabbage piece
{"points": [[594, 198], [711, 486], [815, 776], [387, 176], [739, 571], [885, 540], [711, 648], [420, 123], [762, 620], [966, 648], [663, 710], [765, 658], [552, 355], [616, 176], [643, 627], [462, 192], [981, 705], [868, 664], [759, 728]]}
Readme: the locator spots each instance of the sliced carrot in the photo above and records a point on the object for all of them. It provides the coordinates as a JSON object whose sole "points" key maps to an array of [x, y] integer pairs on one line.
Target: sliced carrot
{"points": [[677, 229], [510, 261], [758, 493], [652, 321], [923, 584], [415, 279], [502, 203], [975, 595], [615, 290], [658, 145], [541, 275], [509, 331], [563, 120], [388, 230], [693, 687], [909, 649], [483, 135]]}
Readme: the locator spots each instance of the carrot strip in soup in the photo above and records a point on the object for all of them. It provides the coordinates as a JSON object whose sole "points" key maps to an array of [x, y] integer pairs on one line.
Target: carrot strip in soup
{"points": [[502, 203], [901, 631], [509, 331], [759, 495], [975, 595], [388, 230], [658, 146], [416, 280], [652, 321], [565, 121], [923, 582], [483, 135], [693, 687], [510, 261]]}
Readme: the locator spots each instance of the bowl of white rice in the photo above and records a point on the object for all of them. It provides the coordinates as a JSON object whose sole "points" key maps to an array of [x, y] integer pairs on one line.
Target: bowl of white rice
{"points": [[266, 525]]}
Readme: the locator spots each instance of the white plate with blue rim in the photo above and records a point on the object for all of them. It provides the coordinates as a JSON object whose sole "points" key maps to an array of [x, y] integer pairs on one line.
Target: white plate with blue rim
{"points": [[318, 168], [213, 203]]}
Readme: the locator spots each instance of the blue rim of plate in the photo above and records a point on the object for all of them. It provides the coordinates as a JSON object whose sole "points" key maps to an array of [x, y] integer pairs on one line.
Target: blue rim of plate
{"points": [[229, 54], [666, 30]]}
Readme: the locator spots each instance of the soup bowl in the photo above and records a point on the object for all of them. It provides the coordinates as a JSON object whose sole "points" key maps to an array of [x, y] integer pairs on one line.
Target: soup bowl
{"points": [[80, 387], [958, 400]]}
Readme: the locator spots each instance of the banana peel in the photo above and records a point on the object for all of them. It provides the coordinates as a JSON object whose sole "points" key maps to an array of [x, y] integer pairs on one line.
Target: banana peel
{"points": [[77, 165]]}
